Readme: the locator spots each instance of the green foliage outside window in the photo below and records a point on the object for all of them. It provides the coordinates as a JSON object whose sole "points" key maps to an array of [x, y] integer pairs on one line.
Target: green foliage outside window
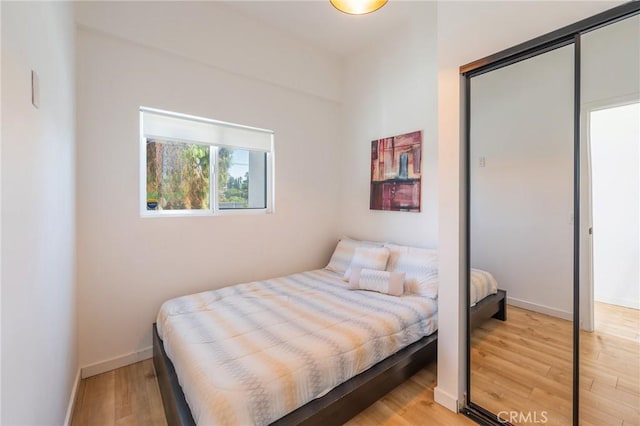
{"points": [[233, 191], [178, 175]]}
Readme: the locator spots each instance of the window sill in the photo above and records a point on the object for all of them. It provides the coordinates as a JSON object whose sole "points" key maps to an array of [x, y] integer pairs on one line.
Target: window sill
{"points": [[203, 213]]}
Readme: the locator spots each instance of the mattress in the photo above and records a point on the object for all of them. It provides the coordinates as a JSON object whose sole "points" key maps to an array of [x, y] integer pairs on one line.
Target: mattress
{"points": [[252, 353], [483, 284]]}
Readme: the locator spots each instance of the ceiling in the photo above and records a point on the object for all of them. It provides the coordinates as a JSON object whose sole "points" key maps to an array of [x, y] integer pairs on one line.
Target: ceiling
{"points": [[318, 22]]}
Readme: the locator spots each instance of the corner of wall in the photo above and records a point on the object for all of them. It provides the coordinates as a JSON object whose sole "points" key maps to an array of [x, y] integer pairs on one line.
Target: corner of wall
{"points": [[445, 399], [73, 399]]}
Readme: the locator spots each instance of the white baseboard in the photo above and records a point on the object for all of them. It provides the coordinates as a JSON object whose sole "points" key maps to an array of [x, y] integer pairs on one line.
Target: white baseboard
{"points": [[117, 362], [445, 399], [72, 399], [547, 310], [619, 301]]}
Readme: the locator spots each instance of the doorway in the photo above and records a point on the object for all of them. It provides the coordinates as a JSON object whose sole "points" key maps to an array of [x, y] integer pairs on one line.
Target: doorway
{"points": [[614, 139]]}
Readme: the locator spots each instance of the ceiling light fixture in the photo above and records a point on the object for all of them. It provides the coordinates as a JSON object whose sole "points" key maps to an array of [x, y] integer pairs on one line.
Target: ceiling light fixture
{"points": [[358, 7]]}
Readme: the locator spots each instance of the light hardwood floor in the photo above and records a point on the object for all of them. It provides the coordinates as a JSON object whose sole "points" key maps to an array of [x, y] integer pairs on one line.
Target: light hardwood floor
{"points": [[525, 364], [126, 396], [130, 396], [410, 404], [610, 368], [539, 368]]}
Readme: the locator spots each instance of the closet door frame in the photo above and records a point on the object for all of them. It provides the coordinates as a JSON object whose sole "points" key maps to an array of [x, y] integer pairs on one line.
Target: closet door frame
{"points": [[570, 34]]}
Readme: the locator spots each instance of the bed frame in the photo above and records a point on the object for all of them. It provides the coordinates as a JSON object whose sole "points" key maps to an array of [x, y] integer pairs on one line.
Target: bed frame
{"points": [[492, 306], [347, 399]]}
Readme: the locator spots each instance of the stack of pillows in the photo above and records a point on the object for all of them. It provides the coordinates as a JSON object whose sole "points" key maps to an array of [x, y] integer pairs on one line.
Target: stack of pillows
{"points": [[386, 268]]}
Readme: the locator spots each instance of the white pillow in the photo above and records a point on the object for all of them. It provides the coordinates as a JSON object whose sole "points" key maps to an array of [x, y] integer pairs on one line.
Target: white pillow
{"points": [[386, 282], [368, 258], [343, 253], [395, 250], [421, 272]]}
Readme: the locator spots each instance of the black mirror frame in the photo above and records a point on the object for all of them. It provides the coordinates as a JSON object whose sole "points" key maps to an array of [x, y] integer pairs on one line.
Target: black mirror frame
{"points": [[570, 34]]}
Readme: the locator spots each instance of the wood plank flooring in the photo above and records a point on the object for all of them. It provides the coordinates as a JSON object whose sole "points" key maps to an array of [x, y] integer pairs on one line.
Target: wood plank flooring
{"points": [[126, 396], [130, 396], [525, 365], [610, 368], [409, 404], [517, 362]]}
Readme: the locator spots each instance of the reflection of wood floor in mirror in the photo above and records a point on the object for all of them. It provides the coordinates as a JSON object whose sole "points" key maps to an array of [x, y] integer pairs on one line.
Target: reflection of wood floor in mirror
{"points": [[525, 364], [610, 368]]}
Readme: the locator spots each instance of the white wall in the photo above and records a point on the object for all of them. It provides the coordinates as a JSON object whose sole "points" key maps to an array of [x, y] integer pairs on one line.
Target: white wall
{"points": [[468, 31], [522, 197], [217, 35], [127, 266], [390, 89], [39, 351], [615, 142], [610, 59]]}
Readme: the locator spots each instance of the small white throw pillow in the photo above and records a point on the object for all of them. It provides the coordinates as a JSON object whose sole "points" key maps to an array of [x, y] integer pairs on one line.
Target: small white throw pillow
{"points": [[368, 258], [386, 282]]}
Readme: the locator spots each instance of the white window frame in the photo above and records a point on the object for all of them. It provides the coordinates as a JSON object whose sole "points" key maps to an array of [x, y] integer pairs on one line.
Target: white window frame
{"points": [[214, 209]]}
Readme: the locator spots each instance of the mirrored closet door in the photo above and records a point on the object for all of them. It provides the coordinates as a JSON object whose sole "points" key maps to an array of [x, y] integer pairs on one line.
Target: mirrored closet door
{"points": [[610, 212], [552, 152], [521, 232]]}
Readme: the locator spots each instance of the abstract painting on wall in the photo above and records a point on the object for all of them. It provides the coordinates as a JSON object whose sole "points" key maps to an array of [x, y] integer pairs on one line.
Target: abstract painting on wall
{"points": [[396, 173]]}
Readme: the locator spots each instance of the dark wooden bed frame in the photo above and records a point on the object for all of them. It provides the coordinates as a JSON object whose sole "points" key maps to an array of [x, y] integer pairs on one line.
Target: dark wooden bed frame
{"points": [[345, 400]]}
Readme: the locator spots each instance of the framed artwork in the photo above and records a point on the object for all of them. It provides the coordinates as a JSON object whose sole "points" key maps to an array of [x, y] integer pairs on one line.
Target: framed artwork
{"points": [[396, 173]]}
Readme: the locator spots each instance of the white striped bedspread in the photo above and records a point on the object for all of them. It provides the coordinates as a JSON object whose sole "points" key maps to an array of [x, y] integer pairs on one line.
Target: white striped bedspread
{"points": [[251, 353], [483, 284]]}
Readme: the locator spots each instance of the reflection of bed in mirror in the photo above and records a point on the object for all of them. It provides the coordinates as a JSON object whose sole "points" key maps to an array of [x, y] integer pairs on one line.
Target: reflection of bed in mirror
{"points": [[485, 299], [382, 340]]}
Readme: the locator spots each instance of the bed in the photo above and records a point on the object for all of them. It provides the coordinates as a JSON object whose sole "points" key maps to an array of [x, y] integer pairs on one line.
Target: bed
{"points": [[299, 349]]}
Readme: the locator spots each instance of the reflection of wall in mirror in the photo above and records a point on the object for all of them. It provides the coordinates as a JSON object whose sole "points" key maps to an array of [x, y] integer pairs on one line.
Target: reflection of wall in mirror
{"points": [[522, 180]]}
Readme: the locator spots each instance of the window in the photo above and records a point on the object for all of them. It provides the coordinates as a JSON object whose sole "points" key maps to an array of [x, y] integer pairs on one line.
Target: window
{"points": [[200, 166]]}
